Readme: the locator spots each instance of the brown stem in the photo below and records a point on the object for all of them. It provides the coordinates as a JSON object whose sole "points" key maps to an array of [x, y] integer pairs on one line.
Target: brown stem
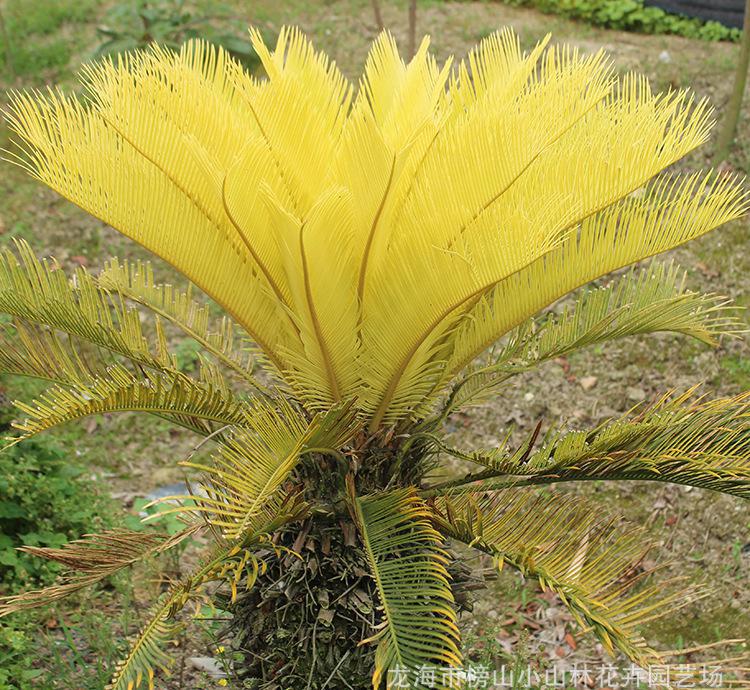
{"points": [[729, 126], [412, 28], [378, 15]]}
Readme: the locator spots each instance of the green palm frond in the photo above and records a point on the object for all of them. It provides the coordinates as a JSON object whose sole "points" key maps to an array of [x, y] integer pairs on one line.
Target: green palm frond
{"points": [[649, 300], [681, 439], [408, 563], [147, 654], [90, 560], [41, 293], [563, 543], [28, 349], [135, 281], [197, 405], [243, 482]]}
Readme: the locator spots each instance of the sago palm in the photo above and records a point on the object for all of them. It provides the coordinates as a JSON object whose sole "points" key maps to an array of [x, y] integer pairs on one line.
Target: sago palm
{"points": [[383, 253]]}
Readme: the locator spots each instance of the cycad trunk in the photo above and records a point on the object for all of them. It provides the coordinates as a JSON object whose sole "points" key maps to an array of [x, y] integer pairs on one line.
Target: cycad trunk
{"points": [[302, 624]]}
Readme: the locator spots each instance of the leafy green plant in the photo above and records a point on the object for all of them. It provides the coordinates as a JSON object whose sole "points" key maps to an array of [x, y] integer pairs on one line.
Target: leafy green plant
{"points": [[633, 15], [384, 254], [17, 648], [135, 24], [45, 500]]}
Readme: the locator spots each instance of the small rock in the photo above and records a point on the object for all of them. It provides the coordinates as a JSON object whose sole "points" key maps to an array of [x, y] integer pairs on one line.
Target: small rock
{"points": [[665, 57], [208, 665], [588, 382], [528, 397], [636, 394], [177, 489]]}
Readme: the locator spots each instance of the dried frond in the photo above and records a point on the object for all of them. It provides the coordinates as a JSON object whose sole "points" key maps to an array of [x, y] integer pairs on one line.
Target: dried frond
{"points": [[91, 559]]}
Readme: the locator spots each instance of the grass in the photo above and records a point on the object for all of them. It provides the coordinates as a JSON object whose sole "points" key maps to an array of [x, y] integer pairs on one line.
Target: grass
{"points": [[41, 36], [74, 645]]}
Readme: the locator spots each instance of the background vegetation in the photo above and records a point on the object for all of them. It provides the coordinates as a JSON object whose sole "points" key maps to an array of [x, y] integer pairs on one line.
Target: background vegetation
{"points": [[633, 15], [82, 480]]}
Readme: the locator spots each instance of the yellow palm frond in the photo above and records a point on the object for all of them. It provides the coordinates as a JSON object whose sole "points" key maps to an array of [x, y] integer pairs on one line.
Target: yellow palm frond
{"points": [[301, 111], [649, 300], [373, 244], [28, 349], [228, 563], [38, 292], [680, 439], [135, 281], [325, 312], [670, 212], [463, 234], [127, 163], [198, 405], [243, 482]]}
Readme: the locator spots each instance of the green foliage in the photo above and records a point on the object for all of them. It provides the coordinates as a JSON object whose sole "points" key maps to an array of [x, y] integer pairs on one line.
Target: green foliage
{"points": [[735, 369], [40, 19], [632, 15], [44, 501], [16, 651], [136, 24], [47, 16]]}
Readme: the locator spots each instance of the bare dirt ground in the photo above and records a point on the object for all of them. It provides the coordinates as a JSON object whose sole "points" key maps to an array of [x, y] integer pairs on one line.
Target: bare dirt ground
{"points": [[706, 535]]}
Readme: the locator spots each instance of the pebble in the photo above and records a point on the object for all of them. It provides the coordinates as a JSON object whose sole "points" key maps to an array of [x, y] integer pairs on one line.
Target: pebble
{"points": [[588, 382], [208, 665], [636, 394]]}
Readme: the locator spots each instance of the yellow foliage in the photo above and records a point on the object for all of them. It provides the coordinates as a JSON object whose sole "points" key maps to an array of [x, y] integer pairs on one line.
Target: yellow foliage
{"points": [[373, 241]]}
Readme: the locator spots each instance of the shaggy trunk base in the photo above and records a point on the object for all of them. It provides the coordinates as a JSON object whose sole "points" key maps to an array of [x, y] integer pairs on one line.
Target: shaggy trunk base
{"points": [[302, 624]]}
